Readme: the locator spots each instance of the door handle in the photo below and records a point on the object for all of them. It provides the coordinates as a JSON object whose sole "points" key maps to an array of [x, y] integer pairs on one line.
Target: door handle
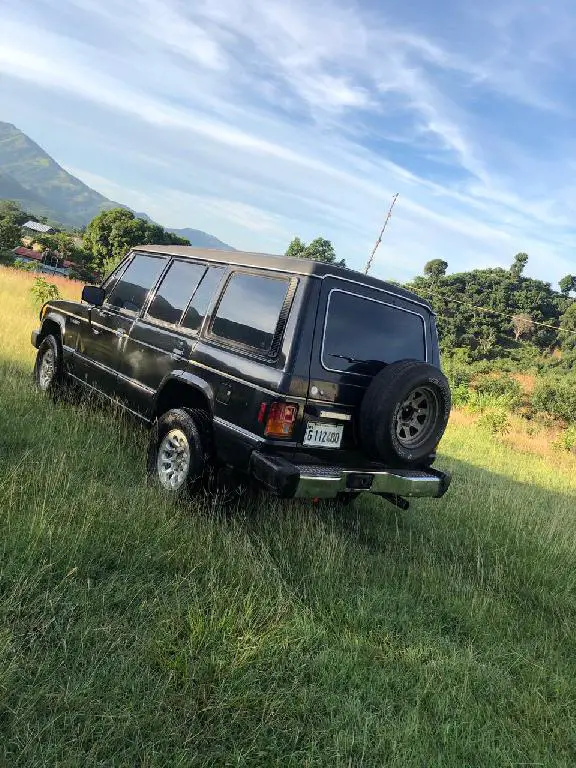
{"points": [[121, 332]]}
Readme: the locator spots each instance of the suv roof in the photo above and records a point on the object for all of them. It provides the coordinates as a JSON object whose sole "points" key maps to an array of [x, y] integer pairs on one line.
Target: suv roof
{"points": [[284, 264]]}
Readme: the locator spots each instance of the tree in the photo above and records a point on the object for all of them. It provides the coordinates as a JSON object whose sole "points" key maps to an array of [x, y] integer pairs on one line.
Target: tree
{"points": [[435, 269], [520, 261], [567, 336], [319, 249], [111, 234], [567, 284], [10, 233], [10, 209], [64, 245], [97, 237], [522, 326], [296, 249]]}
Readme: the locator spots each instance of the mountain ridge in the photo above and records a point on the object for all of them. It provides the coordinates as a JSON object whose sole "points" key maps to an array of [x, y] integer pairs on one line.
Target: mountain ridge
{"points": [[29, 175]]}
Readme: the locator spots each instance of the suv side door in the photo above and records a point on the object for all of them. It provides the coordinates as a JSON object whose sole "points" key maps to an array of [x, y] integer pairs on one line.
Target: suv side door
{"points": [[102, 337], [240, 351], [163, 338]]}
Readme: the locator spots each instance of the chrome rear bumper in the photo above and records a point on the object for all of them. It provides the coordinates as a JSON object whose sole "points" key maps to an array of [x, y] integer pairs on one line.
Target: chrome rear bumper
{"points": [[325, 482]]}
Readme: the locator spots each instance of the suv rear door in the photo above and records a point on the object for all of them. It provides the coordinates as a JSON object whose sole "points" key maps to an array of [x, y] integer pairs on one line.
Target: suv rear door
{"points": [[359, 329]]}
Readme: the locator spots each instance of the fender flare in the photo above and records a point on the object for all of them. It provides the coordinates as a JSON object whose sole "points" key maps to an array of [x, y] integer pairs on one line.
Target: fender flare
{"points": [[57, 318], [190, 380]]}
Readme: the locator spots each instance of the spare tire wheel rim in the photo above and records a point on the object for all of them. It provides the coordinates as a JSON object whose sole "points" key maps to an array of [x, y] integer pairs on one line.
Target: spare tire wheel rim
{"points": [[173, 462], [417, 417]]}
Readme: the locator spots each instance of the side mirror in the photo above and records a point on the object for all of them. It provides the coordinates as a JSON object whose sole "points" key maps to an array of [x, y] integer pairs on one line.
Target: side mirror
{"points": [[93, 294]]}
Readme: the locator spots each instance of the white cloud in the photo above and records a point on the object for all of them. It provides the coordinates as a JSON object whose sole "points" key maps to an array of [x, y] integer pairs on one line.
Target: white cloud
{"points": [[301, 118]]}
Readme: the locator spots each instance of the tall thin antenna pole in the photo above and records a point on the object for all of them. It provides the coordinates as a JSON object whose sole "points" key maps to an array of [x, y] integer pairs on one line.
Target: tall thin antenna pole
{"points": [[369, 263]]}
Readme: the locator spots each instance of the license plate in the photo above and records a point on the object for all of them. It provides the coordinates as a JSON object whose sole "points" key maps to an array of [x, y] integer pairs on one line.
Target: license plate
{"points": [[323, 435]]}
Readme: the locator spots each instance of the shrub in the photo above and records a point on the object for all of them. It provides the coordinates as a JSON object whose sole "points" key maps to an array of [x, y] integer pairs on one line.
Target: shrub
{"points": [[504, 389], [496, 421], [567, 440], [556, 397], [460, 395], [43, 291], [26, 266], [6, 257]]}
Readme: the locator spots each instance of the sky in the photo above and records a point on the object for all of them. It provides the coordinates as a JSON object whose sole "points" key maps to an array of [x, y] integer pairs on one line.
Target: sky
{"points": [[259, 120]]}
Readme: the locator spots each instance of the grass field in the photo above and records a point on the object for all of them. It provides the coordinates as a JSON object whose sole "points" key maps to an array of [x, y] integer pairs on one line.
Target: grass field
{"points": [[136, 632]]}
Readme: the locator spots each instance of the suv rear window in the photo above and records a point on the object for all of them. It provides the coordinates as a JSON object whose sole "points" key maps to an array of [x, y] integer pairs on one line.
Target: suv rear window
{"points": [[249, 310], [362, 334]]}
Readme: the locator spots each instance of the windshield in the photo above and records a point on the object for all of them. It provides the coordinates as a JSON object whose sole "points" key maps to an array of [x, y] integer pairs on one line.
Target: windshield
{"points": [[362, 335]]}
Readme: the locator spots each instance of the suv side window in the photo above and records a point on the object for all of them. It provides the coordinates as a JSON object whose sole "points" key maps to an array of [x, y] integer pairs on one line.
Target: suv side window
{"points": [[132, 288], [110, 280], [173, 294], [249, 310], [196, 311]]}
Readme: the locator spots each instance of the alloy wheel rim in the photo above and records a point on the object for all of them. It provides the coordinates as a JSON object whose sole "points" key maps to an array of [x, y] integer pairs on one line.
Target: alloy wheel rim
{"points": [[173, 462], [417, 417], [47, 369]]}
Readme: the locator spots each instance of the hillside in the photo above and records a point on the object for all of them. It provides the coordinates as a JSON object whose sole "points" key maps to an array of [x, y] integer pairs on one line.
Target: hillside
{"points": [[10, 189], [201, 239], [137, 631], [72, 201], [32, 177]]}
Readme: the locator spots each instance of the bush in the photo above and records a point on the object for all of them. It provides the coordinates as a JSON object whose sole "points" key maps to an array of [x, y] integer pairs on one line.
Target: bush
{"points": [[567, 440], [506, 390], [496, 421], [43, 291], [6, 257], [26, 266], [460, 395], [556, 397]]}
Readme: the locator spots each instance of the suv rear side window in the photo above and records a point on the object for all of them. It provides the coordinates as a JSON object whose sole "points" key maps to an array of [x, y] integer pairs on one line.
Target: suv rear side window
{"points": [[175, 290], [202, 299], [249, 310], [362, 334], [132, 288]]}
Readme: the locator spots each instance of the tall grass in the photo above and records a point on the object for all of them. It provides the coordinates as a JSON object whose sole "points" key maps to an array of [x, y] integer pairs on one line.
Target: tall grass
{"points": [[138, 632]]}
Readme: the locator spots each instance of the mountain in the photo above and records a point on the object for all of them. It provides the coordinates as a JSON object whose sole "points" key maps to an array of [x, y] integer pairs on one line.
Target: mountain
{"points": [[201, 239], [29, 201], [71, 201], [29, 175]]}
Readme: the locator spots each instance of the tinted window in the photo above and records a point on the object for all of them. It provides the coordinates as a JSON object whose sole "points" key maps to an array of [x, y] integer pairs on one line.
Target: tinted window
{"points": [[175, 290], [109, 281], [362, 334], [202, 298], [249, 310], [131, 290]]}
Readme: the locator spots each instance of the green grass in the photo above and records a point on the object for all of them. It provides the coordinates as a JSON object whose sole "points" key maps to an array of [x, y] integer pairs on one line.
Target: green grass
{"points": [[138, 632]]}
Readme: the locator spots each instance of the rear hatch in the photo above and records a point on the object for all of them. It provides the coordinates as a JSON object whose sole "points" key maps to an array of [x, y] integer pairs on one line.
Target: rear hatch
{"points": [[359, 329]]}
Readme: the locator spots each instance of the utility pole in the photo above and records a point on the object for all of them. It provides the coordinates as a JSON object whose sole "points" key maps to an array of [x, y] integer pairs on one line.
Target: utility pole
{"points": [[369, 263]]}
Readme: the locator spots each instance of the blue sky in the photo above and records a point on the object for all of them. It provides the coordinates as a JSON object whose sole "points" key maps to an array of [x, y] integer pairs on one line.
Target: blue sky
{"points": [[257, 120]]}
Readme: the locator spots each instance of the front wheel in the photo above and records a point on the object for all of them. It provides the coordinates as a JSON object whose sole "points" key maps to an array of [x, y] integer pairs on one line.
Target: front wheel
{"points": [[176, 452], [48, 368]]}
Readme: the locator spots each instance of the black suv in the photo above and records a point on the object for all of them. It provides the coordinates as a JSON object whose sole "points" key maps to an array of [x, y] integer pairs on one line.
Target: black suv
{"points": [[311, 379]]}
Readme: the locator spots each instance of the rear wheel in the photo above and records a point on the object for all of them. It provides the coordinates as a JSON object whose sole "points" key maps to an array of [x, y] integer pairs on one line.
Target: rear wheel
{"points": [[177, 452]]}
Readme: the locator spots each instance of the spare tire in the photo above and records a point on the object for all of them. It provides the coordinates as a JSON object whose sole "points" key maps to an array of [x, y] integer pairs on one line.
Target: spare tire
{"points": [[404, 413]]}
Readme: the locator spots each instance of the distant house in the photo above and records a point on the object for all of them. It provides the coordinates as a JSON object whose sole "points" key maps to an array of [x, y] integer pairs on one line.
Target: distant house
{"points": [[38, 228], [46, 262]]}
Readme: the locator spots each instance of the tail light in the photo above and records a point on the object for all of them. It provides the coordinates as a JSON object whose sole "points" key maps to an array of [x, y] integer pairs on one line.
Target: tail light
{"points": [[281, 420]]}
